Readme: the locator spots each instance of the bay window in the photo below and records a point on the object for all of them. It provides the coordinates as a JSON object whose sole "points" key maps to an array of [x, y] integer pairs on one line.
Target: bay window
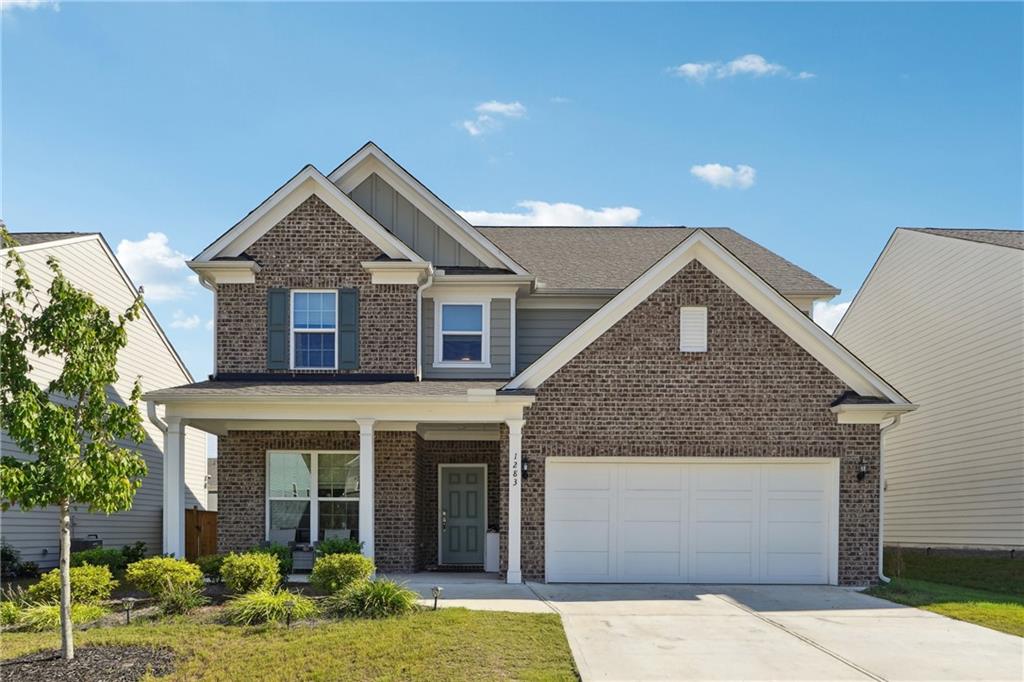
{"points": [[312, 496]]}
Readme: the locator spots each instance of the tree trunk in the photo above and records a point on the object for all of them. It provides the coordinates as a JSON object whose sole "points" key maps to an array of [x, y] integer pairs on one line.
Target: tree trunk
{"points": [[67, 644]]}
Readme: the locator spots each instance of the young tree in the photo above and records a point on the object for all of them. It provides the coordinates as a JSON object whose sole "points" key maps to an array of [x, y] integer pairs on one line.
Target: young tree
{"points": [[72, 426]]}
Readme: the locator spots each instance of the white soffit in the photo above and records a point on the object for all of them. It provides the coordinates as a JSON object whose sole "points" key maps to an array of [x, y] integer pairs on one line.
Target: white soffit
{"points": [[372, 159], [735, 274], [306, 182]]}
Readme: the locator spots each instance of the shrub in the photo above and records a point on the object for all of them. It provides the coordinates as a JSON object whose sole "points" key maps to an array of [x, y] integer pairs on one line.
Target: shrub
{"points": [[183, 598], [371, 599], [210, 566], [250, 572], [133, 553], [157, 574], [42, 617], [29, 569], [283, 554], [89, 585], [268, 606], [10, 613], [111, 558], [338, 546], [336, 571], [10, 561]]}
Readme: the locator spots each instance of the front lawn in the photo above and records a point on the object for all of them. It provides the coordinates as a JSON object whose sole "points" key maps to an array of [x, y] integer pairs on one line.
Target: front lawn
{"points": [[449, 643], [991, 573], [1004, 612]]}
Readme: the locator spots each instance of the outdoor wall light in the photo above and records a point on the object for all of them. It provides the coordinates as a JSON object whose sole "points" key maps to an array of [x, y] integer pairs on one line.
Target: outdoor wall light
{"points": [[289, 606], [526, 467], [128, 603], [862, 471], [436, 591]]}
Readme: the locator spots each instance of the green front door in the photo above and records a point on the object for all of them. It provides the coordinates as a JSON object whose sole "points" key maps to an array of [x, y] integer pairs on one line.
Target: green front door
{"points": [[462, 513]]}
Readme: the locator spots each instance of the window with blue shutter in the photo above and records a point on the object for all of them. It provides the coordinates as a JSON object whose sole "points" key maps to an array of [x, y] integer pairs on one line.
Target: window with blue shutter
{"points": [[277, 329], [314, 329], [348, 328]]}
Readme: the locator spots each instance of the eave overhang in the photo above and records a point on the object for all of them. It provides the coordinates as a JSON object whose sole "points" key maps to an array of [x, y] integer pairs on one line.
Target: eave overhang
{"points": [[874, 413]]}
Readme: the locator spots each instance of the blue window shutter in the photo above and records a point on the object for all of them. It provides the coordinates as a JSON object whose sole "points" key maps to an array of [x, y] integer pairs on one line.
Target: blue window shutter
{"points": [[348, 328], [277, 328]]}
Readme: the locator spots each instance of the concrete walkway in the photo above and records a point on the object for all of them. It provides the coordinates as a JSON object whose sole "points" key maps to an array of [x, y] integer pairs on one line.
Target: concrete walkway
{"points": [[742, 632]]}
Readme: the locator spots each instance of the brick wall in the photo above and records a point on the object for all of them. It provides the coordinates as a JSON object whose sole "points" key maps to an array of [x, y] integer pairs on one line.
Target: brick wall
{"points": [[754, 393], [312, 248], [241, 470], [432, 453]]}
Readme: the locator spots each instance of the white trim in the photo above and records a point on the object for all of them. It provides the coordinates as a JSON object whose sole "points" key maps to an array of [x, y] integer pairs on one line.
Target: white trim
{"points": [[367, 466], [226, 272], [174, 488], [514, 573], [397, 272], [877, 413], [483, 540], [39, 246], [484, 333], [313, 498], [307, 182], [832, 501], [512, 336], [741, 279], [372, 159], [291, 327]]}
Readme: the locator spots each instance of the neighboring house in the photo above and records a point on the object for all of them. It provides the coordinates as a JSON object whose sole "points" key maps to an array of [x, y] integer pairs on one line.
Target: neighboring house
{"points": [[618, 404], [942, 314], [90, 265], [211, 484]]}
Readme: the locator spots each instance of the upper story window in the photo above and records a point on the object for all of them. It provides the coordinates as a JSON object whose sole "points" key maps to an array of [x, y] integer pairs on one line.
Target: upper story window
{"points": [[314, 329], [461, 337]]}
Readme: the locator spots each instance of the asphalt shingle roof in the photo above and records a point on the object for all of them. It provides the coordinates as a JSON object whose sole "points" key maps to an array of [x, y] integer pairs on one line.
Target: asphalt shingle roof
{"points": [[313, 389], [30, 238], [612, 257], [1013, 239]]}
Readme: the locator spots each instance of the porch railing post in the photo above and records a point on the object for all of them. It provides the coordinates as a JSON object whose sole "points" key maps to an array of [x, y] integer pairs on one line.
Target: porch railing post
{"points": [[366, 508]]}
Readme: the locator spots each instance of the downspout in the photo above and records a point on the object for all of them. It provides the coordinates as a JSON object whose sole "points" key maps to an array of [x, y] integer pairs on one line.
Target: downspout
{"points": [[881, 496], [154, 417], [419, 323]]}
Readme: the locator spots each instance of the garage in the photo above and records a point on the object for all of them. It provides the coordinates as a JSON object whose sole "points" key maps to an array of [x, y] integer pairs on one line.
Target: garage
{"points": [[641, 520]]}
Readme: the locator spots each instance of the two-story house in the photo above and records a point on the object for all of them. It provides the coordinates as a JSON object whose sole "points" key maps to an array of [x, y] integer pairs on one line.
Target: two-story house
{"points": [[620, 404]]}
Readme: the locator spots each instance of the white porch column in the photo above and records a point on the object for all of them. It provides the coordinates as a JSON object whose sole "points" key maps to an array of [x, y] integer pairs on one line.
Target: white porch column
{"points": [[514, 574], [174, 488], [366, 510]]}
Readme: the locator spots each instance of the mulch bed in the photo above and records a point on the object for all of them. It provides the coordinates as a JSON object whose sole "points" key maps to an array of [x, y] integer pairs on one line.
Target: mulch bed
{"points": [[91, 664]]}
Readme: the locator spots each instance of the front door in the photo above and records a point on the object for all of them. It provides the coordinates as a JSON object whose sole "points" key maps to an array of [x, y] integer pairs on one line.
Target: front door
{"points": [[463, 505]]}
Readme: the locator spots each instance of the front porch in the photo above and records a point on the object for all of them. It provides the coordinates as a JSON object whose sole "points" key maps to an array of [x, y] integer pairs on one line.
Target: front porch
{"points": [[422, 484]]}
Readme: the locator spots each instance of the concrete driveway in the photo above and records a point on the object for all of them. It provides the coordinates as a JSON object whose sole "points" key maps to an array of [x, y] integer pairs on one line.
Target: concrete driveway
{"points": [[715, 632]]}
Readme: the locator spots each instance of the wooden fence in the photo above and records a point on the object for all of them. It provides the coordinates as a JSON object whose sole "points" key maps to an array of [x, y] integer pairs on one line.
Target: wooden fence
{"points": [[200, 533]]}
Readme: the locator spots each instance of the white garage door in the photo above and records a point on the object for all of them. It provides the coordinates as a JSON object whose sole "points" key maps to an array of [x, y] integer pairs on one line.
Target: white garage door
{"points": [[704, 521]]}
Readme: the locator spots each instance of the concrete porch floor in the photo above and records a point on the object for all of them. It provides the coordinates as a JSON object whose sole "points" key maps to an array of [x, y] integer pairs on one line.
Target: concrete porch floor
{"points": [[478, 591]]}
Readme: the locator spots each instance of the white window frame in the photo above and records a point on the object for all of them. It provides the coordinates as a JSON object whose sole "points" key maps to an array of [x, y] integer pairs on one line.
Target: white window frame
{"points": [[484, 333], [313, 499], [291, 324]]}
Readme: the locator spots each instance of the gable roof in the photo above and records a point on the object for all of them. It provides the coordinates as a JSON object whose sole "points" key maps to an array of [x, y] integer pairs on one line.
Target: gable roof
{"points": [[371, 159], [31, 241], [301, 186], [612, 257], [700, 245], [1013, 239]]}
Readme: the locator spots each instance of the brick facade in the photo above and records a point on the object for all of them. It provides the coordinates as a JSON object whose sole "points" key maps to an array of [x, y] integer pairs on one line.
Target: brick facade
{"points": [[754, 393], [315, 248]]}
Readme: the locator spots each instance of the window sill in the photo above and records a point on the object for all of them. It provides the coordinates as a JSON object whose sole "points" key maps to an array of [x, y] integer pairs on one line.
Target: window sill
{"points": [[465, 365]]}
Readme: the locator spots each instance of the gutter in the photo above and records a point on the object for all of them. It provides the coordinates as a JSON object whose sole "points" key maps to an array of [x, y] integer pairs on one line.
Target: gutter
{"points": [[419, 323], [881, 496]]}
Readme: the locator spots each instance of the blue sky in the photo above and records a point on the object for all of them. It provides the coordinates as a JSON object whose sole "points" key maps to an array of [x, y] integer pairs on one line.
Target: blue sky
{"points": [[814, 129]]}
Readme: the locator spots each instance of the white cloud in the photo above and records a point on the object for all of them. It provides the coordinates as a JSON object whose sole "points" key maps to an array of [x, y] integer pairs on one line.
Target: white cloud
{"points": [[560, 100], [183, 321], [491, 116], [717, 175], [561, 213], [748, 65], [209, 325], [828, 315], [161, 270], [10, 5]]}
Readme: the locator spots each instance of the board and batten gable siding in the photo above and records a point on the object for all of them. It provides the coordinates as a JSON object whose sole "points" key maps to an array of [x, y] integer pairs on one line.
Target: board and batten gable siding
{"points": [[539, 329], [35, 533], [500, 339], [378, 198], [943, 320]]}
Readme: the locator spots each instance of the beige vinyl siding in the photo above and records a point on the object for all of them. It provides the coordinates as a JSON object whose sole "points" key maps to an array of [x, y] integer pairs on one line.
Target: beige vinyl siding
{"points": [[34, 533], [942, 319], [500, 339]]}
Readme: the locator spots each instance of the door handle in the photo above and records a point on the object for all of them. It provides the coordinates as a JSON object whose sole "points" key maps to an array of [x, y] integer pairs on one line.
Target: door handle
{"points": [[444, 519]]}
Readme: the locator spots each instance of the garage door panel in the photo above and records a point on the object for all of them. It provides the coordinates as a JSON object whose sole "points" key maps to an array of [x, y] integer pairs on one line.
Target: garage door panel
{"points": [[677, 521]]}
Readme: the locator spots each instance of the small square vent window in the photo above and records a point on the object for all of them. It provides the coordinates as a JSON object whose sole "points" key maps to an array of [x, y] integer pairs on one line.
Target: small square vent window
{"points": [[693, 330]]}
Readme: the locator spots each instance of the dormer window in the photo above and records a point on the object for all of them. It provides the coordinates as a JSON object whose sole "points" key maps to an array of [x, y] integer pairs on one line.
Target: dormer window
{"points": [[461, 337], [314, 329]]}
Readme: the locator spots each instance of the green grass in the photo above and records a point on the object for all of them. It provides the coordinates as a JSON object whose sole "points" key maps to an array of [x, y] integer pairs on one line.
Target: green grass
{"points": [[450, 643], [1004, 612], [991, 573]]}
